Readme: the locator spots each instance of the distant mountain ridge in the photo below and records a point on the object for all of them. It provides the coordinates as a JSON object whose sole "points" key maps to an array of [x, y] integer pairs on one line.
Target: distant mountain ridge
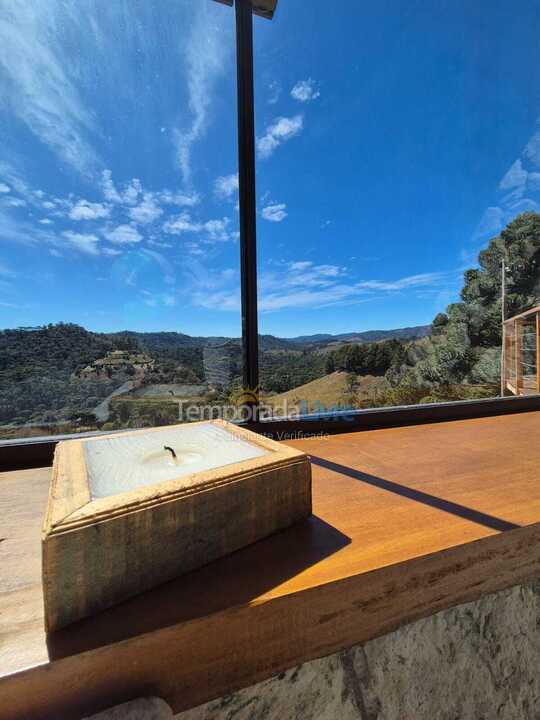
{"points": [[163, 340], [407, 333]]}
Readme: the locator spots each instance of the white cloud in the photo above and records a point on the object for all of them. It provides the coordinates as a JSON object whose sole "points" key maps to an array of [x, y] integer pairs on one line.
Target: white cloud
{"points": [[85, 243], [281, 130], [206, 59], [111, 252], [130, 194], [84, 210], [109, 190], [123, 235], [517, 193], [132, 191], [181, 224], [275, 213], [215, 230], [305, 91], [147, 211], [48, 205], [46, 221], [274, 92], [226, 186], [4, 188], [34, 79]]}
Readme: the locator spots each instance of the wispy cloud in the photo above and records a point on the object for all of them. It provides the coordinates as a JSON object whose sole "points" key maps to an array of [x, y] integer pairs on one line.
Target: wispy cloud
{"points": [[14, 202], [305, 90], [4, 188], [411, 281], [304, 284], [35, 80], [86, 243], [517, 192], [181, 199], [275, 213], [516, 177], [281, 130], [158, 299], [206, 59], [226, 186]]}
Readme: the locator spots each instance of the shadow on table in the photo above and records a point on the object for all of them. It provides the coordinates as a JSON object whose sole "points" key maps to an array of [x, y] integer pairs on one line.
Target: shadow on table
{"points": [[463, 511], [234, 580]]}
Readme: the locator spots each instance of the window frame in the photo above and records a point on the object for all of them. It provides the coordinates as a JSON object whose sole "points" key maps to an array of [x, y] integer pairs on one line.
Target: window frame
{"points": [[25, 453]]}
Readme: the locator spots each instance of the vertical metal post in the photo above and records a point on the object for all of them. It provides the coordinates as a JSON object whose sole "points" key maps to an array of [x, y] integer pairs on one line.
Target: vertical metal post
{"points": [[247, 203]]}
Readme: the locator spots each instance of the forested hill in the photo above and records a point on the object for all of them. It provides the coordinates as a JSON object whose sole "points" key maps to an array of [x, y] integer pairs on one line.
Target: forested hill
{"points": [[465, 346], [39, 366], [70, 347]]}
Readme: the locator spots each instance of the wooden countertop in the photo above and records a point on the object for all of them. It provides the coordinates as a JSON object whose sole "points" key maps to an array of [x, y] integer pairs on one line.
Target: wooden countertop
{"points": [[406, 522]]}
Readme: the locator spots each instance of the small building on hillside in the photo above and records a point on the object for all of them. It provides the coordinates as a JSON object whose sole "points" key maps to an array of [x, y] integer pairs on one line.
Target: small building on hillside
{"points": [[115, 362]]}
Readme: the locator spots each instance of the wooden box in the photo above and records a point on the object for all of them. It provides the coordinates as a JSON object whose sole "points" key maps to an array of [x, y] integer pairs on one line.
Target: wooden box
{"points": [[129, 511]]}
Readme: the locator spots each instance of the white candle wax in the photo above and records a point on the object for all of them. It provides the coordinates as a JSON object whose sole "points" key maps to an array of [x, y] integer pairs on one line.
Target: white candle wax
{"points": [[127, 462]]}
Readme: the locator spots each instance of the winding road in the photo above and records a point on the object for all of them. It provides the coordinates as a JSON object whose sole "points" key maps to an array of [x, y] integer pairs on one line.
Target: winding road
{"points": [[102, 411]]}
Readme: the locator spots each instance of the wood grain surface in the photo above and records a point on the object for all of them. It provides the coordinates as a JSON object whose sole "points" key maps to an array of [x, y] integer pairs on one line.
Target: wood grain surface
{"points": [[406, 521]]}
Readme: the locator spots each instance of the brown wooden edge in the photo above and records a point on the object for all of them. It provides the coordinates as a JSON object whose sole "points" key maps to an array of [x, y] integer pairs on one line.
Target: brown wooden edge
{"points": [[193, 662]]}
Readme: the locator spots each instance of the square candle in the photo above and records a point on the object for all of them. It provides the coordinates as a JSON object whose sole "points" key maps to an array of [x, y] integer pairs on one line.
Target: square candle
{"points": [[129, 511]]}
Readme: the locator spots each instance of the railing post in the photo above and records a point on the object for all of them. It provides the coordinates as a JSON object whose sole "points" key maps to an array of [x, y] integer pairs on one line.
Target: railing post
{"points": [[519, 356], [538, 352]]}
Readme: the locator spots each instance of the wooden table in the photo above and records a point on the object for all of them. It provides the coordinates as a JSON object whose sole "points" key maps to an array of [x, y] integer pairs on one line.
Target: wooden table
{"points": [[406, 522]]}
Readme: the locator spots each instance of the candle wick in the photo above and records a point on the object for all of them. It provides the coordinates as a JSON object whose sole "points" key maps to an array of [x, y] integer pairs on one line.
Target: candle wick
{"points": [[166, 447]]}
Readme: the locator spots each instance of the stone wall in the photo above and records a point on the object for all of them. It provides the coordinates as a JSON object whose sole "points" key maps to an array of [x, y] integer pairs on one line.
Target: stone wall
{"points": [[476, 661]]}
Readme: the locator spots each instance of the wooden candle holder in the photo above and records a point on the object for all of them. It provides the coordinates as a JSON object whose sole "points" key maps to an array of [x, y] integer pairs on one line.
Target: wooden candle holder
{"points": [[99, 551]]}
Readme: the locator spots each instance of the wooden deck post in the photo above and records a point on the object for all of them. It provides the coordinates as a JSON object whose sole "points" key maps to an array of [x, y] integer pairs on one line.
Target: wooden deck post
{"points": [[518, 356], [538, 352]]}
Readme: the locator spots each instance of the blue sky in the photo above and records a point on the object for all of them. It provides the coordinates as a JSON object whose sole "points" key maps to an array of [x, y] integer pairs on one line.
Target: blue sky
{"points": [[392, 143]]}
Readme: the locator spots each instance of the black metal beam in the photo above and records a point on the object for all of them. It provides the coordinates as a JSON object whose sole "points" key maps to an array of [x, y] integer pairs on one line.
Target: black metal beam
{"points": [[247, 203], [263, 8]]}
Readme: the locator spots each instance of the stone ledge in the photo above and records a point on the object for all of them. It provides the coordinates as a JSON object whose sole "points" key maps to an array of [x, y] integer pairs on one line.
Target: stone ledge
{"points": [[477, 660]]}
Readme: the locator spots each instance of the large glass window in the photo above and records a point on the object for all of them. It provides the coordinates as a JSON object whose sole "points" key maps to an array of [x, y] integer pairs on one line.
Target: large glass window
{"points": [[398, 166], [118, 213]]}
